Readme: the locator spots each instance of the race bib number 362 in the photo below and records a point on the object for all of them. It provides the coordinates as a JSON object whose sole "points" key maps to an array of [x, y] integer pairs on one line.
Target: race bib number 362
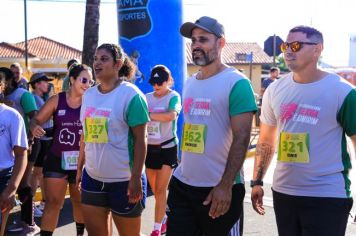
{"points": [[194, 138], [96, 130], [293, 147]]}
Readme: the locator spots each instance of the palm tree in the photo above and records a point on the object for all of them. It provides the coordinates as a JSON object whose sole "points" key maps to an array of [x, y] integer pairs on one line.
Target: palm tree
{"points": [[91, 31]]}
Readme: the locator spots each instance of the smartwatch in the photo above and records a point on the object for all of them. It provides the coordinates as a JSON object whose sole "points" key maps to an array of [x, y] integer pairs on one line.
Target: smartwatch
{"points": [[256, 182]]}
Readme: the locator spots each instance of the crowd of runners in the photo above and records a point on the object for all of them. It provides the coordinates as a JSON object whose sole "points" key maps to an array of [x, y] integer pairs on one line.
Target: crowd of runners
{"points": [[108, 141]]}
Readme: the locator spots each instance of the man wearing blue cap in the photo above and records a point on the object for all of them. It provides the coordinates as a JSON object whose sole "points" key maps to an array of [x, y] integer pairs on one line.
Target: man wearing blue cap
{"points": [[207, 191]]}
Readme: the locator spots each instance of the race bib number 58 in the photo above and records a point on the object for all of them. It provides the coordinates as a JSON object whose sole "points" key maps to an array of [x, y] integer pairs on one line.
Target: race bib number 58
{"points": [[194, 138], [70, 160], [293, 147]]}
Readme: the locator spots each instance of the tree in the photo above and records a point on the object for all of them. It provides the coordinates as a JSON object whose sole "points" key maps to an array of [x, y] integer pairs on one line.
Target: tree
{"points": [[282, 64], [91, 31]]}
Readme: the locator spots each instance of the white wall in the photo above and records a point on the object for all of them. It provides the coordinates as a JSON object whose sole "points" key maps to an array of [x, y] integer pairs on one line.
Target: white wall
{"points": [[352, 51]]}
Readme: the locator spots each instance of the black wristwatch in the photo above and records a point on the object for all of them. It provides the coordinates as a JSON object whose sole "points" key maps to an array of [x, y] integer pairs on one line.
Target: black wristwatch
{"points": [[256, 182]]}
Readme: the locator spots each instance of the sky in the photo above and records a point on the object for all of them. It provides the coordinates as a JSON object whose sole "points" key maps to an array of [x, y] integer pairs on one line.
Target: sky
{"points": [[244, 21]]}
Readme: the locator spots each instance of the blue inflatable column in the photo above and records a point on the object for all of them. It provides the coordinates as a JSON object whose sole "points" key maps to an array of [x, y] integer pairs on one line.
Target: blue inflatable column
{"points": [[149, 34]]}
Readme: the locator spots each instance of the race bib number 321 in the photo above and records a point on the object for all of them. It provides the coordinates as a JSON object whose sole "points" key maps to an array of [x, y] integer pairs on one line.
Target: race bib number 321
{"points": [[293, 147]]}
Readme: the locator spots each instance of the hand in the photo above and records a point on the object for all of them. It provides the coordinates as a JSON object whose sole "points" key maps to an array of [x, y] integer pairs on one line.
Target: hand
{"points": [[257, 199], [220, 199], [78, 179], [7, 200], [38, 131], [30, 144], [134, 190]]}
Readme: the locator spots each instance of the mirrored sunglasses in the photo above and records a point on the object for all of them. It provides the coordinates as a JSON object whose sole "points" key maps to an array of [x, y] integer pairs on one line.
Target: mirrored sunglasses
{"points": [[294, 46]]}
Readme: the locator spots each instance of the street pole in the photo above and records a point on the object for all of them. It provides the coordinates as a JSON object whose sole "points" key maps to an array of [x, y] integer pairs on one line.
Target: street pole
{"points": [[26, 49], [251, 60], [274, 50]]}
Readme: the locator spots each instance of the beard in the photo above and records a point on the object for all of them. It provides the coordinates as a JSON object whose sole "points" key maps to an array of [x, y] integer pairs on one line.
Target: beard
{"points": [[203, 59]]}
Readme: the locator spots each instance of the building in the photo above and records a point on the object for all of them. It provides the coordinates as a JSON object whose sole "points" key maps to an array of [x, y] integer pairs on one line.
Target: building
{"points": [[44, 54], [49, 56], [352, 51], [238, 55]]}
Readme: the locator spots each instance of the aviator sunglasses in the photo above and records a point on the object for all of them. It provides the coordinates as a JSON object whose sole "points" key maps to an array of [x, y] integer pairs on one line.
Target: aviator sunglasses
{"points": [[294, 46], [85, 80]]}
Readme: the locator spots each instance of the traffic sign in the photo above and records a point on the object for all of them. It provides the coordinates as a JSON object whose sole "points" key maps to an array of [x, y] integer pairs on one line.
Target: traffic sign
{"points": [[268, 45]]}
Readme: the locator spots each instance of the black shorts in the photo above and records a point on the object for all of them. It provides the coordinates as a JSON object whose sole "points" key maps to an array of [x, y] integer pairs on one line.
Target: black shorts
{"points": [[44, 149], [311, 216], [157, 157], [189, 217], [35, 150], [52, 168], [5, 176]]}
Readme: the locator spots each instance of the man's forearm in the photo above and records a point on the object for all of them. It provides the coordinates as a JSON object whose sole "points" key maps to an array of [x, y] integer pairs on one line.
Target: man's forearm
{"points": [[236, 156], [264, 155]]}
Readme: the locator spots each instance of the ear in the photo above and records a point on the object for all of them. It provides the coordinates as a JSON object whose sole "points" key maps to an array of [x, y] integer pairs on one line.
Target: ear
{"points": [[119, 64], [222, 42], [319, 49], [72, 80]]}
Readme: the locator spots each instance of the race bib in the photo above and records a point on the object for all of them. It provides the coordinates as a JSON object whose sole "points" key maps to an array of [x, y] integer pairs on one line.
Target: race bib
{"points": [[154, 129], [194, 138], [96, 130], [70, 160], [293, 147]]}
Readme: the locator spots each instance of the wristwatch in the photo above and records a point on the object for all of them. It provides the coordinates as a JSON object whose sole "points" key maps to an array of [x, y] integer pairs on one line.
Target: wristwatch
{"points": [[256, 182]]}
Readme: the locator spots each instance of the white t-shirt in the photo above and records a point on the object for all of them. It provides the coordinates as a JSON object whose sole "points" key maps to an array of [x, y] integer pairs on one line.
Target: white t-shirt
{"points": [[120, 109], [208, 106], [159, 132], [12, 133], [312, 119]]}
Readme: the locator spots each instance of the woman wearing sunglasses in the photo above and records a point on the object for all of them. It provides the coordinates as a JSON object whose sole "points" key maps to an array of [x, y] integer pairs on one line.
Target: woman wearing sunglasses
{"points": [[60, 166], [113, 146], [164, 105]]}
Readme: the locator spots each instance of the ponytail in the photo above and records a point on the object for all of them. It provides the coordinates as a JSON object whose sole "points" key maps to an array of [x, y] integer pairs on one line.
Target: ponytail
{"points": [[128, 69]]}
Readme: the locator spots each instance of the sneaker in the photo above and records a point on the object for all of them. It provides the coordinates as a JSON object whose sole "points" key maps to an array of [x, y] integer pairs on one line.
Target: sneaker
{"points": [[37, 212], [156, 233], [16, 226], [30, 230], [164, 228]]}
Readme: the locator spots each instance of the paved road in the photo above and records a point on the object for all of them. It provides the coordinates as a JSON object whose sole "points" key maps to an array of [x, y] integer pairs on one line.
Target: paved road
{"points": [[254, 224]]}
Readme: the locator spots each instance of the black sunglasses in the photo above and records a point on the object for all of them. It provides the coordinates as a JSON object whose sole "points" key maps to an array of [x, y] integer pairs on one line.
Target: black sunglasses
{"points": [[159, 83]]}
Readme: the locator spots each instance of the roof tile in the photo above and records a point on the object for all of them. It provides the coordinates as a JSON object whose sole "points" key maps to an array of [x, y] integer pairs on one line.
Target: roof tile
{"points": [[231, 49], [10, 51], [46, 48]]}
